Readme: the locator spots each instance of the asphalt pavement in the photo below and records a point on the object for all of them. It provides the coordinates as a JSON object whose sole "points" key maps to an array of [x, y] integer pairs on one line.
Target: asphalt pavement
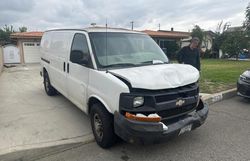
{"points": [[224, 137]]}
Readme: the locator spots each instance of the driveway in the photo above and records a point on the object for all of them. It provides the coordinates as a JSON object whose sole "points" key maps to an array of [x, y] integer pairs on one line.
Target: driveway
{"points": [[31, 119]]}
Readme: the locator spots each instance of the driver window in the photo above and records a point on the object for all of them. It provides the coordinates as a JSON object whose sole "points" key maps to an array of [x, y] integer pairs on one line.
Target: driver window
{"points": [[80, 44]]}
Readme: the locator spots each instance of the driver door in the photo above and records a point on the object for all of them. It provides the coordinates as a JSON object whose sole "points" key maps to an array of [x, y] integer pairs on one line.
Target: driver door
{"points": [[77, 73]]}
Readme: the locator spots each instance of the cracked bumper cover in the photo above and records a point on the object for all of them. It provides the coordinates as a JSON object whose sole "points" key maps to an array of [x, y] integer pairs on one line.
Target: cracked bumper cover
{"points": [[153, 132]]}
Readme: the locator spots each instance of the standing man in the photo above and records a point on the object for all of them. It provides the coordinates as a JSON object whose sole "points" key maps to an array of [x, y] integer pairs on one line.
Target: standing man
{"points": [[190, 54]]}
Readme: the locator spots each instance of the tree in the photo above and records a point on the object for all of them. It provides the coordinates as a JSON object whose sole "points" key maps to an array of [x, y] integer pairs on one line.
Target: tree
{"points": [[23, 29], [172, 48], [197, 32], [216, 45], [218, 28], [5, 34], [236, 39], [6, 31], [9, 29], [246, 23], [233, 42]]}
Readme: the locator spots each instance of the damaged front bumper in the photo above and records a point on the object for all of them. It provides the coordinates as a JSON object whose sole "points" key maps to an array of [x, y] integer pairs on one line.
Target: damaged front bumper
{"points": [[152, 132]]}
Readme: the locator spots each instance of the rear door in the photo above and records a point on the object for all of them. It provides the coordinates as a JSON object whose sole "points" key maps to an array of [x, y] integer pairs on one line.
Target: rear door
{"points": [[78, 74]]}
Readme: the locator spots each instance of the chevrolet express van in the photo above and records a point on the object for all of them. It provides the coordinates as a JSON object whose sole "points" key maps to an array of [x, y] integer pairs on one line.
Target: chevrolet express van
{"points": [[124, 82]]}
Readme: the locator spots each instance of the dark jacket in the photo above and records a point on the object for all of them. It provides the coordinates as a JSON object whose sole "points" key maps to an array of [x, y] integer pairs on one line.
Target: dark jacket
{"points": [[188, 56]]}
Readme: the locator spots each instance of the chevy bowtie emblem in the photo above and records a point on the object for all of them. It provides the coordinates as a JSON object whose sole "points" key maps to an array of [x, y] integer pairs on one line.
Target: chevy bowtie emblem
{"points": [[179, 102]]}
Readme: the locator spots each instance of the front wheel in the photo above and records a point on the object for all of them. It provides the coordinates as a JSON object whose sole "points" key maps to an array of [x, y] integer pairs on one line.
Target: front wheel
{"points": [[102, 126]]}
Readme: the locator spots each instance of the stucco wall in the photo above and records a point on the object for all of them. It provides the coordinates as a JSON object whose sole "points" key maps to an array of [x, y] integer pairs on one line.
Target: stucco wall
{"points": [[1, 60]]}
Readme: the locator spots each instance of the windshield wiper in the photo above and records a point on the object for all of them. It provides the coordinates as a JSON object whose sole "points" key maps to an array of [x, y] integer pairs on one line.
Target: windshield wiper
{"points": [[120, 65], [153, 62]]}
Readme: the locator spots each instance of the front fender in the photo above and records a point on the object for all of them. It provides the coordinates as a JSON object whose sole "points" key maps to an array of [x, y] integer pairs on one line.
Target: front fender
{"points": [[101, 101]]}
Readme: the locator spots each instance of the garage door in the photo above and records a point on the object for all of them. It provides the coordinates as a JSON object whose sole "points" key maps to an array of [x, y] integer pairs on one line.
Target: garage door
{"points": [[31, 52]]}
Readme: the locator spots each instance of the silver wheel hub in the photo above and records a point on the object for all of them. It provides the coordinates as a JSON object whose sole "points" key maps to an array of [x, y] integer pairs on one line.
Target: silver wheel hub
{"points": [[98, 126], [47, 84]]}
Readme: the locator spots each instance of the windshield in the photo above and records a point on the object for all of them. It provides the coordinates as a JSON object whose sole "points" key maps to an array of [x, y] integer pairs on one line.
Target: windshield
{"points": [[125, 49]]}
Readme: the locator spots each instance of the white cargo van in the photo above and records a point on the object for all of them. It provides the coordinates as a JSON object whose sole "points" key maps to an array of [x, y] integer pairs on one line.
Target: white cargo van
{"points": [[123, 80]]}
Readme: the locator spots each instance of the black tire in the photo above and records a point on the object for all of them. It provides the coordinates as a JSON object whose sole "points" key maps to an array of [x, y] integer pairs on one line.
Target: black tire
{"points": [[102, 126], [49, 89]]}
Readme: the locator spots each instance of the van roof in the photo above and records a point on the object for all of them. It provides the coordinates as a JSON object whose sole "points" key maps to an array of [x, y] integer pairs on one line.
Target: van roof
{"points": [[100, 29]]}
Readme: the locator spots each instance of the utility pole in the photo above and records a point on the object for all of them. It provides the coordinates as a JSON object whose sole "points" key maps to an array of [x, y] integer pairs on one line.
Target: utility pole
{"points": [[159, 26], [132, 25]]}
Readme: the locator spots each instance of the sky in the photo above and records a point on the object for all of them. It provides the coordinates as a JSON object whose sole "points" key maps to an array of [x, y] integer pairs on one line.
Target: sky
{"points": [[182, 15]]}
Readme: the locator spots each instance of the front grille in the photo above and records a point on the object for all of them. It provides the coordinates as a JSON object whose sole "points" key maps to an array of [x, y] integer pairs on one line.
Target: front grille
{"points": [[188, 91], [176, 111], [247, 80], [181, 92]]}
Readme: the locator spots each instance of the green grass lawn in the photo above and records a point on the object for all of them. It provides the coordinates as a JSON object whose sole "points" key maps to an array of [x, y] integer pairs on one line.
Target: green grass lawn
{"points": [[218, 75]]}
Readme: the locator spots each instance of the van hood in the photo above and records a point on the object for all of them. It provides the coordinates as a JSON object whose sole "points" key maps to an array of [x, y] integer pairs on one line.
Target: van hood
{"points": [[161, 76]]}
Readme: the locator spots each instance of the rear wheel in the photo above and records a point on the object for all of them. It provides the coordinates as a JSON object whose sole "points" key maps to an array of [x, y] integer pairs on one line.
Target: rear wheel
{"points": [[49, 89], [102, 126]]}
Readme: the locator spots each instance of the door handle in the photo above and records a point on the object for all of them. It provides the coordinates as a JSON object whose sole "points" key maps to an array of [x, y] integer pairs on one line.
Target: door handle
{"points": [[68, 67], [64, 65]]}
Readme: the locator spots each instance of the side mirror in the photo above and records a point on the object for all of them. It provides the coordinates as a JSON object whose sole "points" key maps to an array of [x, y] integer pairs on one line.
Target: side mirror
{"points": [[77, 56]]}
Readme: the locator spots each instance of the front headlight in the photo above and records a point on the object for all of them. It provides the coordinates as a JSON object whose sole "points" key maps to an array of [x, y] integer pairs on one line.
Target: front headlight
{"points": [[243, 78], [138, 101]]}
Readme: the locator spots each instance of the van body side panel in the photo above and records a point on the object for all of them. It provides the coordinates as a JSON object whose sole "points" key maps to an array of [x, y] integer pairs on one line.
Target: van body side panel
{"points": [[59, 49], [45, 43], [57, 75], [107, 87], [55, 46]]}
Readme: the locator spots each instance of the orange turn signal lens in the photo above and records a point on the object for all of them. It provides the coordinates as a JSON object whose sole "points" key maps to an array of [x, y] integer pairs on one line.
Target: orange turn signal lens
{"points": [[145, 119]]}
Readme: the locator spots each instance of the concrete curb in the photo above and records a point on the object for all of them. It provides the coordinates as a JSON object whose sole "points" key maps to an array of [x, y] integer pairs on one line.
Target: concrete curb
{"points": [[217, 97], [36, 151]]}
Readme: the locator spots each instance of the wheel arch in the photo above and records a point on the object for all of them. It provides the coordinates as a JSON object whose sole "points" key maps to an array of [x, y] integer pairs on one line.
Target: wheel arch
{"points": [[95, 99], [44, 70]]}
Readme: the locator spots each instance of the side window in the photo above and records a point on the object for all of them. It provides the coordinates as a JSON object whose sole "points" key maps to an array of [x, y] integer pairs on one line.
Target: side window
{"points": [[81, 46]]}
